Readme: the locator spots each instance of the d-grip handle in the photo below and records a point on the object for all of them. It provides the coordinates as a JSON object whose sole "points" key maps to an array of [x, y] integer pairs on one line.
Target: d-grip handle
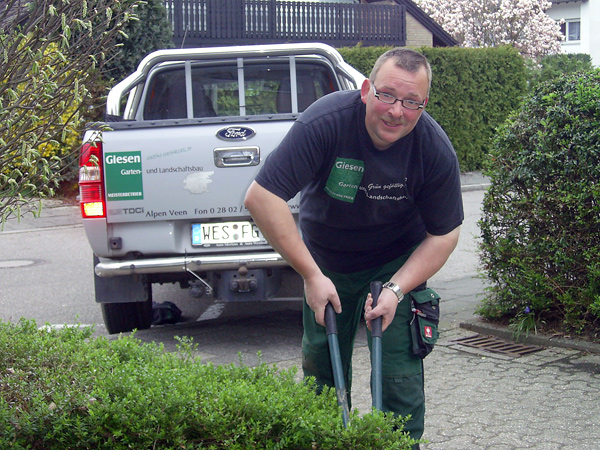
{"points": [[330, 323], [376, 287]]}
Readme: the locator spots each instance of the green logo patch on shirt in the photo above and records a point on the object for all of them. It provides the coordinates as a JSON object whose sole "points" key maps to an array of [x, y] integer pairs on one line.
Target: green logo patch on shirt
{"points": [[344, 179]]}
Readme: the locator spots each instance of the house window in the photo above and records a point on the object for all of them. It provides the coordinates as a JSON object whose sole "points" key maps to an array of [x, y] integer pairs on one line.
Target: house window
{"points": [[572, 30]]}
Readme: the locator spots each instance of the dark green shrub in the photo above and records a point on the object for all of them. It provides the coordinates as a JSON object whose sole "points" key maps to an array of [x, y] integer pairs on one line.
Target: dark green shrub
{"points": [[473, 92], [554, 66], [64, 389], [541, 216], [151, 31]]}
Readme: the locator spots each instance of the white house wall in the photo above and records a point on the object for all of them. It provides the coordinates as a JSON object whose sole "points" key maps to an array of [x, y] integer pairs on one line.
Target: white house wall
{"points": [[588, 13]]}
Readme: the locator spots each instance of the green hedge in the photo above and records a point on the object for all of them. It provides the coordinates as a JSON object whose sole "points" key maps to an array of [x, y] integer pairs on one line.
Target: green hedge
{"points": [[64, 389], [362, 58], [473, 92], [541, 216]]}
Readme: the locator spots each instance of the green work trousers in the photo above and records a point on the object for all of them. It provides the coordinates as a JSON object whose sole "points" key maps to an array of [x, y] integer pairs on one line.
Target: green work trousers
{"points": [[403, 392]]}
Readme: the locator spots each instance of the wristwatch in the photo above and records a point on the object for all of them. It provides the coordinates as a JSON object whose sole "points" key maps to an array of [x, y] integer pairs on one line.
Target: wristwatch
{"points": [[395, 289]]}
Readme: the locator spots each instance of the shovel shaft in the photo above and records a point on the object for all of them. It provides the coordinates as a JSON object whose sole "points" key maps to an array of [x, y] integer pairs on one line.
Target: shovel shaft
{"points": [[376, 363]]}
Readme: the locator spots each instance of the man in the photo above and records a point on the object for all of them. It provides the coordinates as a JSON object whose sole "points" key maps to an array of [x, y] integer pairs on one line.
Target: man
{"points": [[381, 201]]}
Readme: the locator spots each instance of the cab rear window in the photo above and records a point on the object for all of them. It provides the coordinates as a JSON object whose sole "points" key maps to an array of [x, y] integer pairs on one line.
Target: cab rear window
{"points": [[199, 91]]}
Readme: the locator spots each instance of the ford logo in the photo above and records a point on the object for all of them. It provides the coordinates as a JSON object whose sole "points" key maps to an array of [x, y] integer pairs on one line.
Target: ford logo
{"points": [[235, 133]]}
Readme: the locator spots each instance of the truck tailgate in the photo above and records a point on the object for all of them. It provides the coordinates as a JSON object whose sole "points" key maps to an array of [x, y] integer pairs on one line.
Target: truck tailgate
{"points": [[205, 174]]}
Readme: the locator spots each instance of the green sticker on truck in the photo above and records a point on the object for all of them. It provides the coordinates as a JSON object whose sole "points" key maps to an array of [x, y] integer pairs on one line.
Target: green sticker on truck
{"points": [[123, 172]]}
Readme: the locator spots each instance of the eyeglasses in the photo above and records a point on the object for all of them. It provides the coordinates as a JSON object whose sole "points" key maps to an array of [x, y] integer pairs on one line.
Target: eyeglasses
{"points": [[390, 100]]}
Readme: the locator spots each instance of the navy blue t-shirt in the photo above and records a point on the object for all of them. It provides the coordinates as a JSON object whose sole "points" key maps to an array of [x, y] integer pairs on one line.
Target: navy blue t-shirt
{"points": [[361, 207]]}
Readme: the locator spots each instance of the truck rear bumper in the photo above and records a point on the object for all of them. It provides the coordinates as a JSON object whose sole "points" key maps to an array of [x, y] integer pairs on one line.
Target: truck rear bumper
{"points": [[111, 268]]}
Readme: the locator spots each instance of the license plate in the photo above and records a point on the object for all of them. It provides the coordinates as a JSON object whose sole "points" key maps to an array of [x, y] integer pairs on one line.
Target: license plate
{"points": [[226, 234]]}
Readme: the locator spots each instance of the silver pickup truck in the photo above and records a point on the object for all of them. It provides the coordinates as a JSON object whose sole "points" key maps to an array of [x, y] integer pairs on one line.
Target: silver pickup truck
{"points": [[162, 181]]}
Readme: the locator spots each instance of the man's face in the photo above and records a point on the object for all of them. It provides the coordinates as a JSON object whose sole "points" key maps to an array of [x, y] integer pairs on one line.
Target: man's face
{"points": [[387, 123]]}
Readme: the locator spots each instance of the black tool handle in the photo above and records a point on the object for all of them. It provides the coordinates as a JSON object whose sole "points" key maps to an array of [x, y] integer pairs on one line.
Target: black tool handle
{"points": [[330, 323], [376, 287]]}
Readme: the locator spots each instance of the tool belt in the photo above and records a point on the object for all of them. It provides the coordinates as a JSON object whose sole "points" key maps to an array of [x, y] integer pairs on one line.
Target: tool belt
{"points": [[425, 306]]}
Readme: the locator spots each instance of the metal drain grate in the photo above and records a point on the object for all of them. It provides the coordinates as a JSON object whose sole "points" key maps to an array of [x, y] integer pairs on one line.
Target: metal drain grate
{"points": [[496, 345]]}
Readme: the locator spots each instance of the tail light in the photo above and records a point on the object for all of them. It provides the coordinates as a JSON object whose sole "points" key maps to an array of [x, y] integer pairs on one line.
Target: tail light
{"points": [[91, 191]]}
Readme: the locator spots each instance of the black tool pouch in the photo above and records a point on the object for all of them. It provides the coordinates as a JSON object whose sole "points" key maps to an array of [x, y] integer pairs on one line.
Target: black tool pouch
{"points": [[425, 306]]}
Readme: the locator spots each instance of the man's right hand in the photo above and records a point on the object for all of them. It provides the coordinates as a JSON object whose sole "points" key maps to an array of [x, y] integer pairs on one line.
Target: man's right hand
{"points": [[319, 291]]}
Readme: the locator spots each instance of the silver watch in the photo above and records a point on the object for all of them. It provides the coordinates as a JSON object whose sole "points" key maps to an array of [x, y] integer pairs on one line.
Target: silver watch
{"points": [[395, 289]]}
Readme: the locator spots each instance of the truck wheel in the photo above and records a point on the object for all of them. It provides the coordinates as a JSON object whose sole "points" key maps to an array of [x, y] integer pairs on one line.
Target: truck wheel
{"points": [[126, 302], [125, 317]]}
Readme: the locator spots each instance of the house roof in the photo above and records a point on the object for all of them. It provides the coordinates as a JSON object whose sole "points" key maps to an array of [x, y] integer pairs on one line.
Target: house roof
{"points": [[440, 37]]}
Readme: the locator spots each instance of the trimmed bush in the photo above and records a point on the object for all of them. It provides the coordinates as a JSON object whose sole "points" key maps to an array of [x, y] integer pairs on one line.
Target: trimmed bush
{"points": [[541, 216], [64, 389]]}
